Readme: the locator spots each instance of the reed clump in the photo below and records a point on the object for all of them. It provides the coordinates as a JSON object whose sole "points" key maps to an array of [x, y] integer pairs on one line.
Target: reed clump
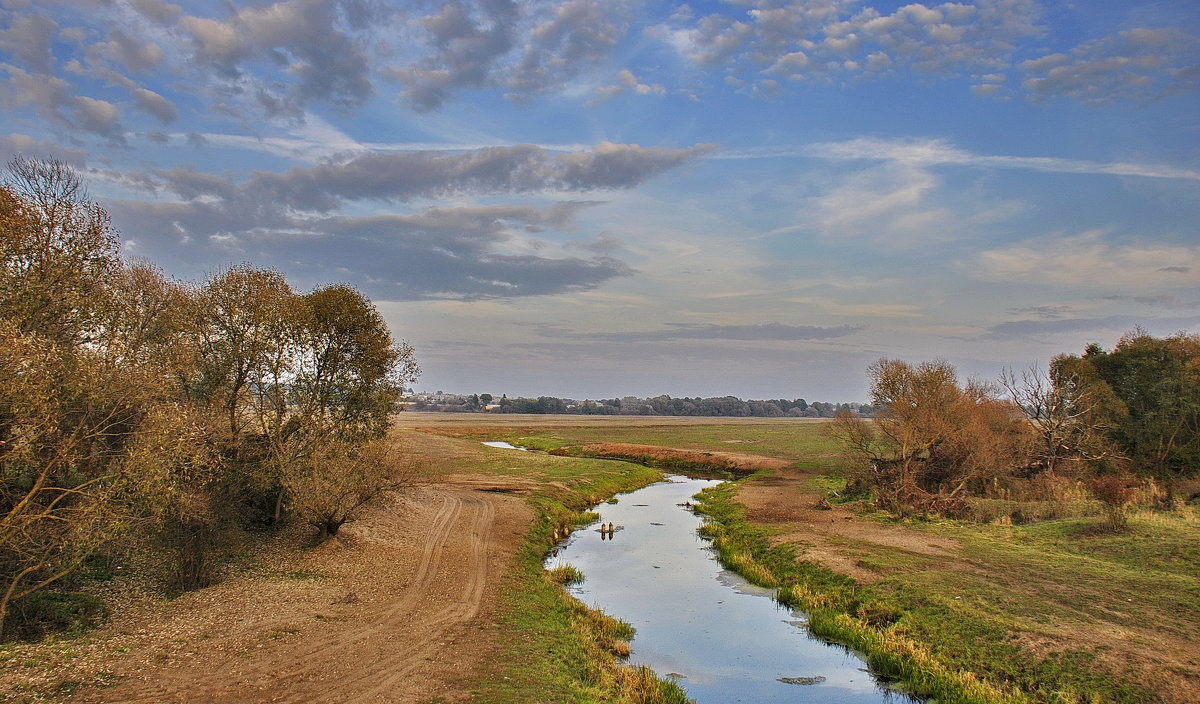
{"points": [[639, 685], [565, 575]]}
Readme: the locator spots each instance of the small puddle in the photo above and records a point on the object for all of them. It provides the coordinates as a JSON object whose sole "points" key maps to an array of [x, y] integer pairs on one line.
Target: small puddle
{"points": [[723, 639], [503, 445]]}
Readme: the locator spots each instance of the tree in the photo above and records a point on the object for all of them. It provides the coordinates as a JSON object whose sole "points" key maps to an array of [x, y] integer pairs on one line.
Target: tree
{"points": [[1157, 382], [334, 482], [349, 371], [932, 441], [59, 252], [67, 405], [243, 329], [177, 470], [1069, 408], [125, 396]]}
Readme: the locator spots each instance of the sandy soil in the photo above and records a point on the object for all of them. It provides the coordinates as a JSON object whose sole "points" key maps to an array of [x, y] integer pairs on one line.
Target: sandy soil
{"points": [[395, 609]]}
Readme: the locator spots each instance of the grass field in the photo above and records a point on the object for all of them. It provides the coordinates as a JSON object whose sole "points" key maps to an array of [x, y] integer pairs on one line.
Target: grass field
{"points": [[1055, 611]]}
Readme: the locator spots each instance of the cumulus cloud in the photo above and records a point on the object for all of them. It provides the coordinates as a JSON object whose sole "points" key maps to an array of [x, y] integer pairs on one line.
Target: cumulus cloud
{"points": [[1139, 64], [153, 103], [525, 49], [464, 40], [1089, 260], [322, 62], [627, 82], [55, 101], [578, 35], [158, 11], [28, 38], [134, 55], [840, 39], [801, 41]]}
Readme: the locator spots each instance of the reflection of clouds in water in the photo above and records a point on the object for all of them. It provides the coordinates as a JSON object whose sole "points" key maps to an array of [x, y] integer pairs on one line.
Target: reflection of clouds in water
{"points": [[503, 445], [730, 639]]}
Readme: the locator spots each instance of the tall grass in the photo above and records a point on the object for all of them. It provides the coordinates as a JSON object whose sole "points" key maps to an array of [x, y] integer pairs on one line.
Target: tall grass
{"points": [[565, 575]]}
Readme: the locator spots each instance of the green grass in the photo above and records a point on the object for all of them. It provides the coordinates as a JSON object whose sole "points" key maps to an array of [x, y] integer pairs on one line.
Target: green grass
{"points": [[952, 629], [803, 442], [553, 649], [997, 620], [565, 575]]}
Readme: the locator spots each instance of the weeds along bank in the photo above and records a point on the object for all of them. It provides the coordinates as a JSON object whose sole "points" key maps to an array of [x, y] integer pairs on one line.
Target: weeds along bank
{"points": [[1051, 613], [552, 647], [1061, 607]]}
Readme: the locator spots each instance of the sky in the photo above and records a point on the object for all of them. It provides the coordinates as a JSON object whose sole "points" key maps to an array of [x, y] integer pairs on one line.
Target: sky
{"points": [[600, 198]]}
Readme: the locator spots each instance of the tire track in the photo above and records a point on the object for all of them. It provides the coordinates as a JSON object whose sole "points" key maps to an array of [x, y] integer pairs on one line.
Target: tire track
{"points": [[373, 681], [467, 609], [293, 668]]}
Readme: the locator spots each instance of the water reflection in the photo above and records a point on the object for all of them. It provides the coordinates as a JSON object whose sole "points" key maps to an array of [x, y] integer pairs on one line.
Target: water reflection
{"points": [[724, 639], [503, 445]]}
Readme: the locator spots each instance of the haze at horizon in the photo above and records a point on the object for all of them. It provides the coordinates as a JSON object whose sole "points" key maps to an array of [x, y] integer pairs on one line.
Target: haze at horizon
{"points": [[595, 199]]}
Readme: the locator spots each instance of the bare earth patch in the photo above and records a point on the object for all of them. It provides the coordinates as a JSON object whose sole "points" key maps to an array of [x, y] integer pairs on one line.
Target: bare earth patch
{"points": [[395, 609], [786, 501]]}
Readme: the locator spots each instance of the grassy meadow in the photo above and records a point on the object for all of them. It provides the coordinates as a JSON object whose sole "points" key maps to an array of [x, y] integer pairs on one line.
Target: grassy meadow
{"points": [[1062, 610]]}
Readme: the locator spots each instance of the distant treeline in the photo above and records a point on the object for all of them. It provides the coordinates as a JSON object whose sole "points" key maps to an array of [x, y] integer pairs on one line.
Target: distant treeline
{"points": [[634, 406]]}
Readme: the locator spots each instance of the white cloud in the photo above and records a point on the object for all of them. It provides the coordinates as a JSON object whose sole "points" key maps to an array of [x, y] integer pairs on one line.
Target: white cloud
{"points": [[1139, 64], [931, 152], [156, 105], [627, 82], [888, 204], [819, 40], [134, 55], [322, 61], [1088, 260], [28, 37]]}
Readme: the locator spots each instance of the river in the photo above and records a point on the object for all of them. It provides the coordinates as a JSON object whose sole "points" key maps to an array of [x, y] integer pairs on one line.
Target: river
{"points": [[722, 638]]}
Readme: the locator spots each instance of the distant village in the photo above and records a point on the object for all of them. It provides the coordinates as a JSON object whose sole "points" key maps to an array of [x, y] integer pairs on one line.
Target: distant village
{"points": [[723, 406]]}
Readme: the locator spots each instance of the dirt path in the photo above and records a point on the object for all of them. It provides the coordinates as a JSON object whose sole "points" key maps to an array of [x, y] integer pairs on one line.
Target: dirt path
{"points": [[398, 612]]}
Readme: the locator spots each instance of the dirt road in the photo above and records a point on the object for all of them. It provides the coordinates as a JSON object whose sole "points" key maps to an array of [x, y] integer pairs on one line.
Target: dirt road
{"points": [[395, 610]]}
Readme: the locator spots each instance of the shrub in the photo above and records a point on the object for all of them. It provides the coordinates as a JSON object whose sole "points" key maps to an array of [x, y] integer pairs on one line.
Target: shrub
{"points": [[1116, 493]]}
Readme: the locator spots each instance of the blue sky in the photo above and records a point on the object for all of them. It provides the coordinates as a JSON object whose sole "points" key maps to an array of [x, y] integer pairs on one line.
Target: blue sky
{"points": [[597, 198]]}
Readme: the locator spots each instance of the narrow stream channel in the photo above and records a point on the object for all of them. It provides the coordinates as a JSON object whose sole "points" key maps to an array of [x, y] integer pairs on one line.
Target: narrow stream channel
{"points": [[722, 638]]}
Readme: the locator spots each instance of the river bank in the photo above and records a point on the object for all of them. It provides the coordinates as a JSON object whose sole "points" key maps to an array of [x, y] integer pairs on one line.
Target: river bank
{"points": [[1054, 611], [1056, 607]]}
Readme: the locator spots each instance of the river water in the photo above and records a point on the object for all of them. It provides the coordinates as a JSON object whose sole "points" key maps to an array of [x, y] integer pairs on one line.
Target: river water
{"points": [[722, 638]]}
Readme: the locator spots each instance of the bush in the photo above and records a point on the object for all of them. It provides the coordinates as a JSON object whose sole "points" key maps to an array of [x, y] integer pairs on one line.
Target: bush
{"points": [[45, 612], [1116, 493]]}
